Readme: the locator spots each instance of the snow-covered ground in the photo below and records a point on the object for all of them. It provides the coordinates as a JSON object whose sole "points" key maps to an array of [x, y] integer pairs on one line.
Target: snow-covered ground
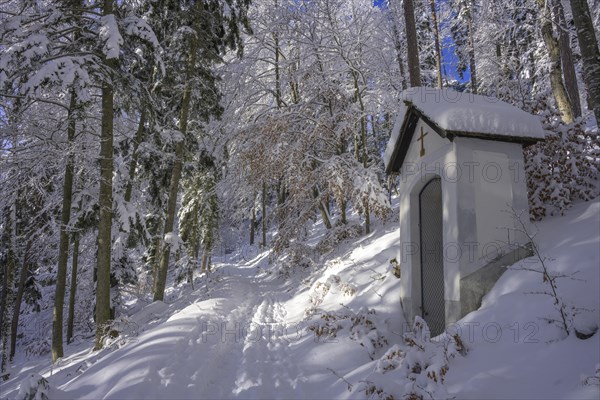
{"points": [[256, 330]]}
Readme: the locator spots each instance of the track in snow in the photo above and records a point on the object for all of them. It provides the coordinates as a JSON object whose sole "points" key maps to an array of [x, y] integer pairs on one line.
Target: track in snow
{"points": [[235, 344]]}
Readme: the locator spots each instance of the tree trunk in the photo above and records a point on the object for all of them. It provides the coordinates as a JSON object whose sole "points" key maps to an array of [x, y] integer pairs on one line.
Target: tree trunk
{"points": [[204, 260], [414, 66], [73, 291], [322, 209], [9, 270], [17, 309], [399, 58], [7, 293], [558, 88], [566, 57], [155, 258], [281, 193], [139, 136], [278, 100], [472, 68], [363, 138], [6, 288], [590, 55], [436, 36], [63, 247], [103, 311], [264, 215], [163, 267], [252, 224]]}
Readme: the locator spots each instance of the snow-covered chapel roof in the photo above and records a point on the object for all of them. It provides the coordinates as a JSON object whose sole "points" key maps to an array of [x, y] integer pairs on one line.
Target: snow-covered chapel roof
{"points": [[451, 113]]}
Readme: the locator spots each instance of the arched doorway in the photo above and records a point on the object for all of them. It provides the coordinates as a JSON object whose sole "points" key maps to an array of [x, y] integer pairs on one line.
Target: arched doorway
{"points": [[433, 308]]}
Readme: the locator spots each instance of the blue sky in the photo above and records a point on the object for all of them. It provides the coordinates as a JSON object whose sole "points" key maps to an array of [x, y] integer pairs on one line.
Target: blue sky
{"points": [[450, 60]]}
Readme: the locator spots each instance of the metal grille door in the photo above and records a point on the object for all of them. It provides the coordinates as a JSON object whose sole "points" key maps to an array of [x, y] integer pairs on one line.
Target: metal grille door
{"points": [[432, 262]]}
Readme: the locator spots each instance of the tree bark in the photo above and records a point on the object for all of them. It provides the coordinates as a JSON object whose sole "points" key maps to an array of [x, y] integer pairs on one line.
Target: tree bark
{"points": [[278, 99], [363, 140], [17, 309], [7, 290], [161, 276], [566, 58], [264, 215], [556, 80], [155, 257], [139, 136], [342, 206], [7, 293], [472, 68], [73, 291], [103, 312], [414, 66], [63, 247], [6, 287], [436, 36], [322, 209], [252, 224], [590, 55], [9, 270], [204, 260], [399, 58]]}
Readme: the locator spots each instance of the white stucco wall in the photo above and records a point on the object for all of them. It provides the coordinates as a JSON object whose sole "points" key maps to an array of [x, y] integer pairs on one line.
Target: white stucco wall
{"points": [[492, 185], [416, 172], [481, 181]]}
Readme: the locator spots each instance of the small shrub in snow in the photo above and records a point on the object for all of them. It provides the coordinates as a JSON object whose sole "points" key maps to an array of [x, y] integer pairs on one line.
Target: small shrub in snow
{"points": [[120, 332], [347, 289], [297, 257], [416, 369], [336, 235], [371, 391], [39, 348], [395, 267], [320, 291], [35, 387], [593, 380], [562, 168], [333, 282], [362, 327]]}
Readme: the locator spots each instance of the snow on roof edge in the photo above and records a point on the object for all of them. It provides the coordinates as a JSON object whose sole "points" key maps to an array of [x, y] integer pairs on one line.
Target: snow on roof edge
{"points": [[467, 112]]}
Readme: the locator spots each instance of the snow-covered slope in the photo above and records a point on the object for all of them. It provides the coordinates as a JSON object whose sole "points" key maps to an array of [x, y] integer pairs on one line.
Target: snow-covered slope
{"points": [[521, 354], [257, 330]]}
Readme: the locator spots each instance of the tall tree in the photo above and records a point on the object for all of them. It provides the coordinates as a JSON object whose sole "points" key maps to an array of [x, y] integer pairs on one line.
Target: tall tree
{"points": [[18, 299], [208, 29], [469, 13], [110, 38], [414, 66], [161, 278], [73, 287], [63, 247], [436, 38], [556, 76], [590, 54], [566, 57]]}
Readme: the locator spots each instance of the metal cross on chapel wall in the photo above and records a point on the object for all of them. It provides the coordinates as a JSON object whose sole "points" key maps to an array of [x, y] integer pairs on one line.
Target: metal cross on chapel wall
{"points": [[422, 139]]}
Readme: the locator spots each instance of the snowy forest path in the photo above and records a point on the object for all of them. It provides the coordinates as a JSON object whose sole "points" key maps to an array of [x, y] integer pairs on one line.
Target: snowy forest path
{"points": [[267, 366], [233, 344], [228, 338], [244, 352], [238, 350]]}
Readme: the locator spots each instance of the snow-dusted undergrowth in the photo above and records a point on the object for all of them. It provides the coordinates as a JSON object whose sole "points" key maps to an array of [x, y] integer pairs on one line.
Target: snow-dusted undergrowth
{"points": [[333, 327]]}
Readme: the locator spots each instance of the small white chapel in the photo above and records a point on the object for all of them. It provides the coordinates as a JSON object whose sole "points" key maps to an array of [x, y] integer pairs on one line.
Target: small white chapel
{"points": [[462, 183]]}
